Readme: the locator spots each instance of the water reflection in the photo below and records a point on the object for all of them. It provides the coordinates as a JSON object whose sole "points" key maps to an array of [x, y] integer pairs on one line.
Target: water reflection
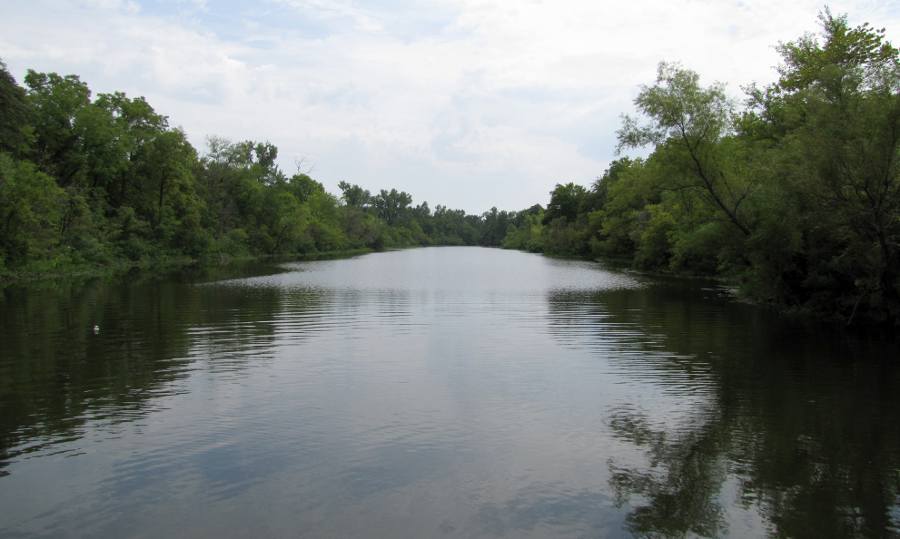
{"points": [[58, 373], [545, 509], [797, 428], [433, 393]]}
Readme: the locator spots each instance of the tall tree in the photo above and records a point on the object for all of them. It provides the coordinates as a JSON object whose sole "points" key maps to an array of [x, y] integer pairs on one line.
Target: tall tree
{"points": [[692, 123], [354, 195], [391, 205], [56, 103], [836, 113], [13, 114]]}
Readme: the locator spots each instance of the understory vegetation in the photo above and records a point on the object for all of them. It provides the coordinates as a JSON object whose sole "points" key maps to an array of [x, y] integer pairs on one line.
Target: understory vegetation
{"points": [[794, 194]]}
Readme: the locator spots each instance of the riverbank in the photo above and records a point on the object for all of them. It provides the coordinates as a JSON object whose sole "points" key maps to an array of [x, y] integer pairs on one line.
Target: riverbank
{"points": [[158, 266], [731, 286]]}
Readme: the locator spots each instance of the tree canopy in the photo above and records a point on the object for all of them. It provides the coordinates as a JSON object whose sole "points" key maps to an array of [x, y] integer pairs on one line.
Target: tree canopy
{"points": [[90, 182], [793, 194]]}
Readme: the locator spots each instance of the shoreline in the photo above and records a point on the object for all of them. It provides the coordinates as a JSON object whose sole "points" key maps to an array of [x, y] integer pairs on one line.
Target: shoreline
{"points": [[162, 267]]}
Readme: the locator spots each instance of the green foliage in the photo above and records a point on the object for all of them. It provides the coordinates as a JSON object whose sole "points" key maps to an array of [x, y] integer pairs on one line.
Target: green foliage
{"points": [[31, 207], [526, 230], [796, 197], [699, 249], [391, 206], [105, 182], [354, 195], [495, 227], [566, 202], [564, 239], [13, 115], [653, 245], [690, 127], [835, 113]]}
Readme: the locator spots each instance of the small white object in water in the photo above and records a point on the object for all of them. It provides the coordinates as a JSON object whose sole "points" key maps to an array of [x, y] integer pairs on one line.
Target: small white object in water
{"points": [[96, 329]]}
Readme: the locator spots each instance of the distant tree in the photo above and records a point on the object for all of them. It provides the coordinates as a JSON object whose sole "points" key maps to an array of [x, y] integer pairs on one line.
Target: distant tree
{"points": [[494, 227], [354, 195], [565, 202], [391, 205], [304, 188]]}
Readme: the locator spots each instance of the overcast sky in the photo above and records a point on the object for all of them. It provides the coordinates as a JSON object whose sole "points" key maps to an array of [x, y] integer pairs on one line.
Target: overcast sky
{"points": [[466, 103]]}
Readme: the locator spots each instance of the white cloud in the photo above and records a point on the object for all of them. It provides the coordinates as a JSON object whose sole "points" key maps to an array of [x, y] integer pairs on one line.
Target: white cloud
{"points": [[469, 103], [336, 10]]}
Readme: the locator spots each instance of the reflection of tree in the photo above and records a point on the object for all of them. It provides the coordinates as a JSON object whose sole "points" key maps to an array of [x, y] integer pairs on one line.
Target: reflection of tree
{"points": [[805, 423], [55, 374], [682, 497], [822, 456]]}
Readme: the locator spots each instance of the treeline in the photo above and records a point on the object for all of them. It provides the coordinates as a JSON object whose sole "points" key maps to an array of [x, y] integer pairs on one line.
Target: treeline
{"points": [[795, 195], [104, 181]]}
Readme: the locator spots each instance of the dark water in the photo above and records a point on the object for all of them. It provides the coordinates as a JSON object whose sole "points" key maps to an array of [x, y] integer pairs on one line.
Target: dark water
{"points": [[450, 392]]}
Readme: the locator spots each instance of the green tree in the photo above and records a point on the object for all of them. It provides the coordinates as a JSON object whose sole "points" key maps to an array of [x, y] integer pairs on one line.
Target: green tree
{"points": [[166, 166], [566, 201], [13, 114], [391, 205], [835, 117], [354, 195], [690, 123], [134, 125], [494, 227], [30, 211]]}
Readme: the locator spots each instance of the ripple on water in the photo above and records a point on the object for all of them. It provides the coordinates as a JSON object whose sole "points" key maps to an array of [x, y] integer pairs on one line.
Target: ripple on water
{"points": [[460, 392]]}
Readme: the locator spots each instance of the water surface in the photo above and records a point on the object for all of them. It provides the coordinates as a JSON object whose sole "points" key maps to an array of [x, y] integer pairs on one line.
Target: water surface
{"points": [[443, 392]]}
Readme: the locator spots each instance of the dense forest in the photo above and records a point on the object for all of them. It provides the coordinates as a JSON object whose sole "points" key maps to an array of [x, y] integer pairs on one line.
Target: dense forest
{"points": [[104, 181], [793, 194]]}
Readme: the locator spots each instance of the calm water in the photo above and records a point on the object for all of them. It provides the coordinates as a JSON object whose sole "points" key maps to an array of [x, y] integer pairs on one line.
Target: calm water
{"points": [[447, 392]]}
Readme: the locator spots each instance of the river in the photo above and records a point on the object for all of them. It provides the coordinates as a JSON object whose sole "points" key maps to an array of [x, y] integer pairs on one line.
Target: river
{"points": [[437, 392]]}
